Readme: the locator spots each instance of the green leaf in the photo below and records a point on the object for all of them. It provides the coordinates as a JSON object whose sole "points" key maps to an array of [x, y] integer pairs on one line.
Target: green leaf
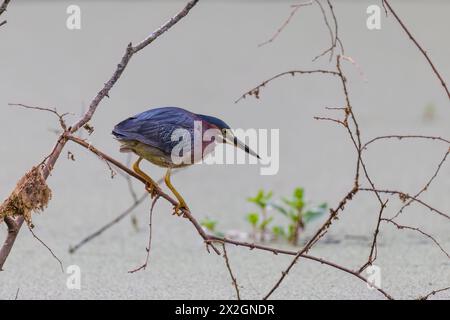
{"points": [[253, 218], [290, 203], [293, 216], [278, 231], [299, 193], [279, 208], [261, 199], [265, 223], [295, 204]]}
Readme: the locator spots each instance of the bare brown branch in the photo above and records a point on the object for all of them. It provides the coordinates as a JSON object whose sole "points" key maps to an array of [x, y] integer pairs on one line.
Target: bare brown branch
{"points": [[256, 90], [402, 227], [48, 248], [98, 232], [233, 278], [404, 196], [426, 186], [422, 50], [53, 111], [432, 293], [149, 245], [295, 7]]}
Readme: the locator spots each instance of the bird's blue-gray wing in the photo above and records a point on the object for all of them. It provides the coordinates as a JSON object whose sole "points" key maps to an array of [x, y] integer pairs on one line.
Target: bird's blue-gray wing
{"points": [[155, 127]]}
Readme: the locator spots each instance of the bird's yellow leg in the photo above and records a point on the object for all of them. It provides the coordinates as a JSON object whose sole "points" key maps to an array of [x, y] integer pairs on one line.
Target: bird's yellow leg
{"points": [[181, 203], [150, 185]]}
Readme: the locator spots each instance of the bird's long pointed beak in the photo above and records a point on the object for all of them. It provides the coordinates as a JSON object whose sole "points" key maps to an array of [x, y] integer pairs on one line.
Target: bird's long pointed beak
{"points": [[231, 139]]}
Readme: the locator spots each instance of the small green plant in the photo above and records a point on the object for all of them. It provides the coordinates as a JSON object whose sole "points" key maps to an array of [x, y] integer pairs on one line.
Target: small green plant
{"points": [[278, 232], [296, 210], [260, 221]]}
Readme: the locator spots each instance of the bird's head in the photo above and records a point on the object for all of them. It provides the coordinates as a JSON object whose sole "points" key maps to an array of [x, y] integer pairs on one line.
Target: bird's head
{"points": [[226, 134]]}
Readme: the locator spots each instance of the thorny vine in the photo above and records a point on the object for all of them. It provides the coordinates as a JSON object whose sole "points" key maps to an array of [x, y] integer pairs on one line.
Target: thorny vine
{"points": [[348, 121]]}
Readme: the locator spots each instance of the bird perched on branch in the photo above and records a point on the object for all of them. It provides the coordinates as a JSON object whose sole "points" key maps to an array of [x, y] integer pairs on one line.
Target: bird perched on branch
{"points": [[168, 137]]}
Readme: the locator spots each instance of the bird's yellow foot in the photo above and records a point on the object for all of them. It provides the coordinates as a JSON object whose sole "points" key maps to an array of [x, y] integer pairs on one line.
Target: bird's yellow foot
{"points": [[151, 189], [178, 208], [150, 185]]}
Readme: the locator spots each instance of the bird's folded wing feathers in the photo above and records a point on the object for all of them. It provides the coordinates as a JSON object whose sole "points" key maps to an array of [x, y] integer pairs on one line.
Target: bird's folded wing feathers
{"points": [[154, 129]]}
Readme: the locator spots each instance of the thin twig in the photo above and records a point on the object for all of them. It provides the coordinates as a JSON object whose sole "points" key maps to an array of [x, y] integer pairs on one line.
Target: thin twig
{"points": [[401, 137], [432, 293], [330, 119], [402, 227], [295, 7], [48, 248], [51, 110], [436, 72], [256, 90], [426, 186], [333, 36], [374, 248], [149, 245], [98, 232], [404, 196], [233, 278]]}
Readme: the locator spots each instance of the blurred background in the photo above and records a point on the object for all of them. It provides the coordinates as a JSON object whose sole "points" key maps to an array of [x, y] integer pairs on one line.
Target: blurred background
{"points": [[204, 64]]}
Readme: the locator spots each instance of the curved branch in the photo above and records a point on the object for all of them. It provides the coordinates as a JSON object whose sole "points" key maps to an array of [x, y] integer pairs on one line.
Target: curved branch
{"points": [[403, 227], [400, 137], [256, 90]]}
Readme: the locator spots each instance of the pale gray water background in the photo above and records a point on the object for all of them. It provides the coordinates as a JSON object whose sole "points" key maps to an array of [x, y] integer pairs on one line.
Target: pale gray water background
{"points": [[204, 63]]}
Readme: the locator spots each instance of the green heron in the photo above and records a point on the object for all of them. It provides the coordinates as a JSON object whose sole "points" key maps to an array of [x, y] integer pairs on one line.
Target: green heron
{"points": [[151, 135]]}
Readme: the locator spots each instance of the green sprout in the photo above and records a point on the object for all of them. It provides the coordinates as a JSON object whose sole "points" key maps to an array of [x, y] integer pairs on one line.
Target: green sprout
{"points": [[260, 221], [253, 219], [278, 232], [295, 209], [262, 199]]}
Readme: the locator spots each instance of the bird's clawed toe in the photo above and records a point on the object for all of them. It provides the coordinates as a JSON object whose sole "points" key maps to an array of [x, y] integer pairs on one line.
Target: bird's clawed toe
{"points": [[178, 209], [151, 189]]}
